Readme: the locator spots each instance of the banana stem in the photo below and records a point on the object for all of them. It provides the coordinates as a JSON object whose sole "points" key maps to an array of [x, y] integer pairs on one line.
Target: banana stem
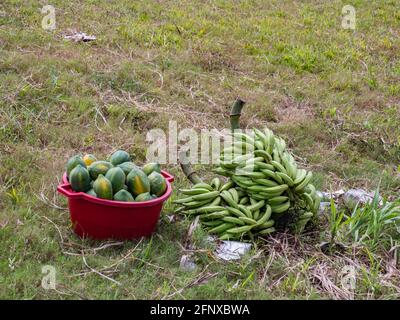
{"points": [[236, 112], [187, 169]]}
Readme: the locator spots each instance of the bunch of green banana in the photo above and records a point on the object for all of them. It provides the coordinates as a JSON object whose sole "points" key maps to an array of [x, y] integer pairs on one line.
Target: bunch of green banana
{"points": [[203, 194], [260, 165], [227, 211]]}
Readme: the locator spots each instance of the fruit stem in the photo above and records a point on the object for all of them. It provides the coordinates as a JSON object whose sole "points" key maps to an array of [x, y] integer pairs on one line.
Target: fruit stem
{"points": [[187, 169], [236, 112]]}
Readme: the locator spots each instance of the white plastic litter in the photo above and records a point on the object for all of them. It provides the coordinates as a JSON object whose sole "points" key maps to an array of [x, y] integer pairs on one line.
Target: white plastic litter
{"points": [[327, 196], [80, 36], [324, 207], [211, 239], [358, 196], [232, 250], [187, 264]]}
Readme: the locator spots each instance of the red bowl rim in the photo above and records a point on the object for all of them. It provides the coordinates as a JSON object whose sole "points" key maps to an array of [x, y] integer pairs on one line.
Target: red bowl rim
{"points": [[65, 189]]}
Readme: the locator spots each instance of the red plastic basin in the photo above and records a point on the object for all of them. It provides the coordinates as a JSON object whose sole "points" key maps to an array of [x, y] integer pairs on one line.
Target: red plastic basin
{"points": [[105, 219]]}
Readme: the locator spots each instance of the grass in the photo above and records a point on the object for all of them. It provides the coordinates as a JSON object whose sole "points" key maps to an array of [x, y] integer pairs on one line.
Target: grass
{"points": [[331, 93], [374, 224]]}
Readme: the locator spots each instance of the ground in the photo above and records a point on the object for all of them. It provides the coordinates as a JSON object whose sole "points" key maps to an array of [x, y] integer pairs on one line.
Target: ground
{"points": [[332, 93]]}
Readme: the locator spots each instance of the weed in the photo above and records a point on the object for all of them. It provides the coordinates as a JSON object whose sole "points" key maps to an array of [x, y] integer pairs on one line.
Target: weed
{"points": [[375, 224], [335, 223]]}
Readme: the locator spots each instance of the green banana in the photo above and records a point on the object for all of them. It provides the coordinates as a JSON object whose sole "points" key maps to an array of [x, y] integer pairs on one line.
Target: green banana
{"points": [[259, 145], [203, 185], [205, 196], [267, 195], [233, 220], [216, 201], [222, 172], [251, 167], [310, 189], [262, 137], [228, 199], [304, 183], [257, 196], [215, 215], [254, 175], [252, 161], [271, 174], [263, 165], [275, 156], [266, 182], [256, 206], [265, 216], [221, 228], [256, 214], [183, 200], [241, 193], [226, 165], [241, 185], [246, 211], [301, 174], [196, 204], [288, 180], [247, 220], [264, 154], [242, 229], [190, 192], [277, 200], [236, 212], [280, 188], [234, 194], [306, 215], [317, 202], [216, 183], [244, 146], [270, 135], [256, 188], [243, 137], [309, 200], [180, 209], [289, 166], [209, 209], [230, 153], [226, 186], [281, 144], [281, 207], [253, 201], [225, 236], [278, 166], [292, 168], [242, 158], [247, 182], [265, 225], [267, 231]]}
